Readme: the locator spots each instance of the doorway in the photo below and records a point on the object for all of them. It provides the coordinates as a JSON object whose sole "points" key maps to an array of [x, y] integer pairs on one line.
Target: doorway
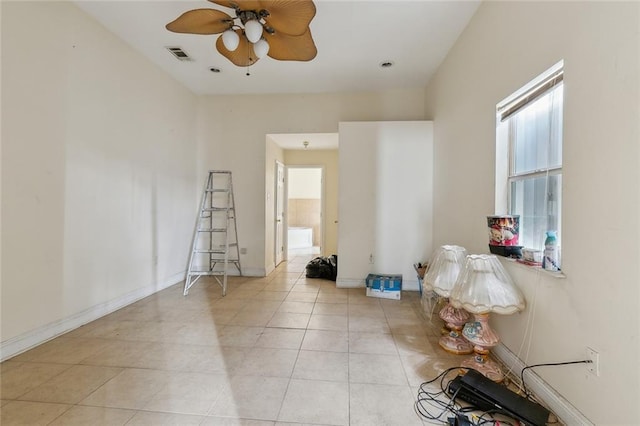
{"points": [[305, 205]]}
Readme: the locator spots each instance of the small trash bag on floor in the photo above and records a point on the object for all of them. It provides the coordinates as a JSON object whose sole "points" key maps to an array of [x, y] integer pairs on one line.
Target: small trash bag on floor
{"points": [[323, 267]]}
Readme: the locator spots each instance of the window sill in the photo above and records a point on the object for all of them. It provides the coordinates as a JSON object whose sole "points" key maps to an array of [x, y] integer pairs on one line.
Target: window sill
{"points": [[537, 269]]}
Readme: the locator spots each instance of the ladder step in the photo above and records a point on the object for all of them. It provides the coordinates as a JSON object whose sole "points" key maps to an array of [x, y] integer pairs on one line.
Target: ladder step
{"points": [[213, 230], [217, 261], [217, 209], [210, 273], [204, 250], [217, 190], [214, 250], [209, 216]]}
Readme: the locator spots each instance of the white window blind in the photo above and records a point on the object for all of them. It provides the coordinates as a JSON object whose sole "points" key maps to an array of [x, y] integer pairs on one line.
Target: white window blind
{"points": [[533, 120]]}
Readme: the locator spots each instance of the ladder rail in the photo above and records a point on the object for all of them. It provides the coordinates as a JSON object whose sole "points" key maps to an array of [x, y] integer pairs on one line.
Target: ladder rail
{"points": [[194, 241], [235, 226], [226, 241]]}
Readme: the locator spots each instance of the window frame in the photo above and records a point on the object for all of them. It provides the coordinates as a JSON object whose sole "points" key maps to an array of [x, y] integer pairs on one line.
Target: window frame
{"points": [[505, 144]]}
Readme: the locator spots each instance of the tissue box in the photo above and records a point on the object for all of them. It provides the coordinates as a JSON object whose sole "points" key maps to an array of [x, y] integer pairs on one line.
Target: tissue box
{"points": [[384, 286]]}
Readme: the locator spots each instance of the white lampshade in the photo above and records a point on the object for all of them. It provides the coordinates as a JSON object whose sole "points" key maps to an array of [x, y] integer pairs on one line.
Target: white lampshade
{"points": [[444, 269], [484, 286], [261, 48], [253, 30], [230, 39]]}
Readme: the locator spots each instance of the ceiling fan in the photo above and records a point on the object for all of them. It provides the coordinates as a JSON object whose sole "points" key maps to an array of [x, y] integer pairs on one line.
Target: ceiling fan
{"points": [[277, 28]]}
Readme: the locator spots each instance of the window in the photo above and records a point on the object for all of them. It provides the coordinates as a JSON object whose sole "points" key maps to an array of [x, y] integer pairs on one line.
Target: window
{"points": [[529, 130]]}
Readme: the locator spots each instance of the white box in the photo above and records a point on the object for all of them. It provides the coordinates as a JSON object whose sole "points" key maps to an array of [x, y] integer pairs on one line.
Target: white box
{"points": [[384, 286]]}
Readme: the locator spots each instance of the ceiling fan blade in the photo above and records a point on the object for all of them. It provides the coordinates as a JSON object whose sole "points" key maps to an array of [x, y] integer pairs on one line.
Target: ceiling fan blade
{"points": [[286, 47], [289, 16], [240, 4], [201, 21], [243, 56]]}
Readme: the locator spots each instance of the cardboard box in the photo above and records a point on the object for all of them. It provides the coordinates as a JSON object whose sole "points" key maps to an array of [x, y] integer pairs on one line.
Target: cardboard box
{"points": [[384, 286]]}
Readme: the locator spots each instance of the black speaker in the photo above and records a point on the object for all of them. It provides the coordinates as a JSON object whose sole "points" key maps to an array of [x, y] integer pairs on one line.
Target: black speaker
{"points": [[487, 395]]}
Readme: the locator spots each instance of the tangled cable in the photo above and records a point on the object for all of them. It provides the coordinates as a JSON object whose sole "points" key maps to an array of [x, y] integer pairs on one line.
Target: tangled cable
{"points": [[440, 405]]}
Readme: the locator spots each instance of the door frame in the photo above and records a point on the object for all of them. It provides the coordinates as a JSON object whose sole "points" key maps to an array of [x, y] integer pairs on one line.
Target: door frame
{"points": [[280, 197], [322, 201]]}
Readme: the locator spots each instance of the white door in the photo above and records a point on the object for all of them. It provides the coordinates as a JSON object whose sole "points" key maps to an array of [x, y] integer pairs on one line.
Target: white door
{"points": [[279, 216]]}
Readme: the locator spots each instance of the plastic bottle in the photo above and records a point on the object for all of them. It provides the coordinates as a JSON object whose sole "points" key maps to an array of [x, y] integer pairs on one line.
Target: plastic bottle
{"points": [[550, 260]]}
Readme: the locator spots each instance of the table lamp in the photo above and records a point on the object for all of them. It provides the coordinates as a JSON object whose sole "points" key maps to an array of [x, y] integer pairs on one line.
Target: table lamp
{"points": [[440, 278], [484, 286]]}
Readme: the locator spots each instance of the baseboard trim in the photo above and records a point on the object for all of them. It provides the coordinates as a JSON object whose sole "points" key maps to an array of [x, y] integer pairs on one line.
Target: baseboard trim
{"points": [[254, 272], [21, 343], [566, 412], [246, 272], [357, 283], [349, 283], [410, 285]]}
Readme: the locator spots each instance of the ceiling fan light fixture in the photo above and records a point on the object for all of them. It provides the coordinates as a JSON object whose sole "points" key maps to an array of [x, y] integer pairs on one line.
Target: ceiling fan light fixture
{"points": [[261, 48], [253, 30], [230, 39], [283, 23]]}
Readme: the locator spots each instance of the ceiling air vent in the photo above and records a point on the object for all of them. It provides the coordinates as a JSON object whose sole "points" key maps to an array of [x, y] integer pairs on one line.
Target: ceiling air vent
{"points": [[179, 53]]}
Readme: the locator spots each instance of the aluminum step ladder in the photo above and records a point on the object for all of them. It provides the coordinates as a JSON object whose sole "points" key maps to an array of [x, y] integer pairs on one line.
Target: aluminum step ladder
{"points": [[215, 238]]}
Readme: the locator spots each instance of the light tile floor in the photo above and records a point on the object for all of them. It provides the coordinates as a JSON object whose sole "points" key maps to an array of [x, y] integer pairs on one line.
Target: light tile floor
{"points": [[278, 350]]}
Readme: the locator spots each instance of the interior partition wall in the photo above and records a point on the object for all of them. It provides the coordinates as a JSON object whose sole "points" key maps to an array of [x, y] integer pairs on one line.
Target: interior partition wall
{"points": [[385, 199]]}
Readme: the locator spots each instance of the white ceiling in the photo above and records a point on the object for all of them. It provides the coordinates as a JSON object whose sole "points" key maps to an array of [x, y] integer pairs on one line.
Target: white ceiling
{"points": [[296, 140], [352, 36]]}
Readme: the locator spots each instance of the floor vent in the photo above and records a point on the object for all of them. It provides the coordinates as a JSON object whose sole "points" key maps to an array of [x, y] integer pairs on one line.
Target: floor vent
{"points": [[179, 53]]}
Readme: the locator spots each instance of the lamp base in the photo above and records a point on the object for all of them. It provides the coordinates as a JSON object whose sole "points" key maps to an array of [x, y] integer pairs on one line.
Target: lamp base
{"points": [[451, 341], [483, 338], [488, 368], [455, 344]]}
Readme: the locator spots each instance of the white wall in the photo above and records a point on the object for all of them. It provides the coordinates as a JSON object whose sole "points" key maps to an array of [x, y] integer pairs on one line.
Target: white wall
{"points": [[305, 183], [232, 136], [505, 45], [98, 173], [385, 199]]}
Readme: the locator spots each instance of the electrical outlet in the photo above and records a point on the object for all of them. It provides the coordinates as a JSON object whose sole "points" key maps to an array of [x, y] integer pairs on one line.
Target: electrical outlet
{"points": [[243, 251], [594, 365], [371, 259]]}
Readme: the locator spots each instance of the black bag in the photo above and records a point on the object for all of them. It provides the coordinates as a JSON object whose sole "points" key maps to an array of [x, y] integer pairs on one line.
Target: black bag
{"points": [[323, 267]]}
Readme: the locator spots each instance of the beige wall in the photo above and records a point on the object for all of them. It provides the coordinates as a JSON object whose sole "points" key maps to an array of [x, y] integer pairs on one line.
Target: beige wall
{"points": [[329, 160], [306, 213], [98, 173], [232, 133], [596, 305]]}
